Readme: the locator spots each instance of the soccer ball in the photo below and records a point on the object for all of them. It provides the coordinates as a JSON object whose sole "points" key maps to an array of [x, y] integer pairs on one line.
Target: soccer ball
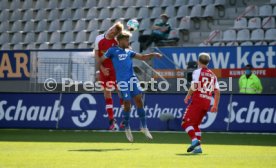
{"points": [[132, 25]]}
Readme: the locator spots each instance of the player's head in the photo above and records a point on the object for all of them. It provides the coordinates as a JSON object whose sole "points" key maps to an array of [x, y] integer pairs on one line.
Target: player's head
{"points": [[123, 39], [204, 59], [164, 18], [114, 30]]}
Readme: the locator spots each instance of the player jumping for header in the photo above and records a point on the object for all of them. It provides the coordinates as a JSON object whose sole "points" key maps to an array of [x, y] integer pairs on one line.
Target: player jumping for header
{"points": [[122, 61], [203, 85]]}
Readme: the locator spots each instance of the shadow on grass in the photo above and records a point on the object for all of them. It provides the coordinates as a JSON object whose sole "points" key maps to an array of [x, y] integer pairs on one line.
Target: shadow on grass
{"points": [[100, 150], [190, 154], [27, 135]]}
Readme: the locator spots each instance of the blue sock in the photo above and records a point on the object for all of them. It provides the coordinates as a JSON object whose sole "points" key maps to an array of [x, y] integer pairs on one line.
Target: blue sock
{"points": [[142, 116], [126, 118]]}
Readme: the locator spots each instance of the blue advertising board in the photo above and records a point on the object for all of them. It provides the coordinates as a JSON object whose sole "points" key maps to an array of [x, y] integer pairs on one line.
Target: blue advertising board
{"points": [[221, 57], [15, 65], [250, 113]]}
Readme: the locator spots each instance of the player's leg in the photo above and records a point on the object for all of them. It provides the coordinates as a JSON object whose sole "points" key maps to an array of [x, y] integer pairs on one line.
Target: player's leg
{"points": [[126, 116], [188, 123], [197, 149]]}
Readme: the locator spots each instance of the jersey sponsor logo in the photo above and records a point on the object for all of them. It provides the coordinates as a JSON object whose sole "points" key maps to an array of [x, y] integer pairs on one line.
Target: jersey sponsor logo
{"points": [[122, 57], [250, 114]]}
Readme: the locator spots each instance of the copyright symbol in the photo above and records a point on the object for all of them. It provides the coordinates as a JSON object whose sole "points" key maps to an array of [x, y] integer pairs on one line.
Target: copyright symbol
{"points": [[50, 84]]}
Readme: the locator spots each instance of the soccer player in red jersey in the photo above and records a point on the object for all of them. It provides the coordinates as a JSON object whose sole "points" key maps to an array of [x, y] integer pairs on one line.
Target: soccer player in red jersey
{"points": [[106, 70], [203, 85]]}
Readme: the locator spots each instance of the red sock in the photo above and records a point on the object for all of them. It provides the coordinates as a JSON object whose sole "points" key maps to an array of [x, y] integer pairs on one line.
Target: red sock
{"points": [[191, 132], [109, 108], [197, 132]]}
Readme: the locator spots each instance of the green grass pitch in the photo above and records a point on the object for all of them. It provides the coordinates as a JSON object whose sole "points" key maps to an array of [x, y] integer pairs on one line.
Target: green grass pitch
{"points": [[90, 149]]}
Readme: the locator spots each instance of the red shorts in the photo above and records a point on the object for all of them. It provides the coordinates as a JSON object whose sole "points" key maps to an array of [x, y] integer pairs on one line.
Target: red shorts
{"points": [[195, 112], [108, 82]]}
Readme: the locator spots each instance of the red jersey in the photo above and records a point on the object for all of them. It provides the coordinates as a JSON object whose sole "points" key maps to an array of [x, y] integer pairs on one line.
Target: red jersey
{"points": [[102, 45], [205, 82]]}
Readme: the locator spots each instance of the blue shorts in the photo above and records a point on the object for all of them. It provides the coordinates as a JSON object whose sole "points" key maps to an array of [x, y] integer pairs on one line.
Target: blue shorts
{"points": [[129, 89]]}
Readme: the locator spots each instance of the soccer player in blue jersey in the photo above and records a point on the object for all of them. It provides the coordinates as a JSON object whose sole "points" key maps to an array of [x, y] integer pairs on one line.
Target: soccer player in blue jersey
{"points": [[127, 81]]}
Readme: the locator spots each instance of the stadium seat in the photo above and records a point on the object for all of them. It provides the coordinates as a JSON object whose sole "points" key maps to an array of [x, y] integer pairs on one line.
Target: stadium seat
{"points": [[182, 11], [233, 43], [192, 3], [185, 23], [54, 26], [240, 23], [40, 5], [31, 46], [246, 43], [154, 3], [81, 25], [42, 26], [81, 37], [196, 12], [254, 23], [78, 4], [243, 35], [106, 24], [147, 32], [270, 34], [28, 15], [130, 13], [251, 11], [180, 3], [166, 3], [265, 10], [274, 11], [103, 3], [117, 13], [215, 35], [268, 22], [134, 37], [17, 26], [91, 4], [4, 5], [229, 35], [204, 44], [27, 5], [104, 13], [209, 11], [173, 22], [135, 46], [66, 14], [257, 34], [83, 46], [92, 13], [217, 44], [273, 2], [141, 3], [272, 43], [53, 14], [6, 46], [207, 2], [65, 4], [68, 37], [41, 15], [18, 47], [29, 26], [17, 38], [143, 13], [15, 5], [220, 3], [30, 38], [116, 3], [156, 12], [260, 43], [170, 11], [56, 46], [67, 26], [4, 16], [53, 5], [16, 15], [55, 38], [92, 36], [69, 46], [43, 46], [93, 25], [174, 34], [42, 37], [4, 26], [145, 24], [79, 14]]}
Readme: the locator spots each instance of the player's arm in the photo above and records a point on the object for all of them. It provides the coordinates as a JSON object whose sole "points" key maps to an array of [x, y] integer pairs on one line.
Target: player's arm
{"points": [[217, 97], [189, 94], [144, 57]]}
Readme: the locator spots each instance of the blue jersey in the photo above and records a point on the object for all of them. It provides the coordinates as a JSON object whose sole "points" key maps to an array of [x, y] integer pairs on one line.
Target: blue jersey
{"points": [[122, 62]]}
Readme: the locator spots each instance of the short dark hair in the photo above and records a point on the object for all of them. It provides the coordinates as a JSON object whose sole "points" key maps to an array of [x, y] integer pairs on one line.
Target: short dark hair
{"points": [[123, 34], [249, 66]]}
